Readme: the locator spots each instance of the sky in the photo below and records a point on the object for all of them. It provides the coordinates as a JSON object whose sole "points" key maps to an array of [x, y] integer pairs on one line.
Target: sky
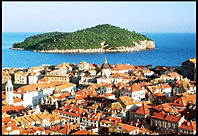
{"points": [[147, 17]]}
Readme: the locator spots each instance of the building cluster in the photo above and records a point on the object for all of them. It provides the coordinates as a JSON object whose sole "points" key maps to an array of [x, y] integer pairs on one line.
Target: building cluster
{"points": [[90, 99]]}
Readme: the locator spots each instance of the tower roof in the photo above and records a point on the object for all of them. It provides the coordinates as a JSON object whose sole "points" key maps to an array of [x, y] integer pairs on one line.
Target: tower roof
{"points": [[105, 65], [9, 83]]}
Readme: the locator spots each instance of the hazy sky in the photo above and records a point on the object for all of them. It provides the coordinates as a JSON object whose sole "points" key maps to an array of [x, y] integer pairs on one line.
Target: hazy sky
{"points": [[72, 16]]}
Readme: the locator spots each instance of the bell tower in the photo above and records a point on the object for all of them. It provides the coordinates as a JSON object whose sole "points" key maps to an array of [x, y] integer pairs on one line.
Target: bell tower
{"points": [[105, 69], [9, 92]]}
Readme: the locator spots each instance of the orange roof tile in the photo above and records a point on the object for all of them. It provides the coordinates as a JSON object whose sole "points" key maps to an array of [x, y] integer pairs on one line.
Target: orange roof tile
{"points": [[186, 99], [12, 107], [112, 120], [134, 87], [43, 80], [144, 110], [121, 84], [34, 87], [65, 85], [165, 107], [174, 74], [79, 98], [7, 119], [172, 118], [22, 131], [16, 100], [128, 127], [82, 132], [63, 65], [121, 74], [159, 94], [40, 128], [13, 127], [165, 86], [126, 100], [188, 125], [120, 67], [159, 116], [3, 96], [63, 96]]}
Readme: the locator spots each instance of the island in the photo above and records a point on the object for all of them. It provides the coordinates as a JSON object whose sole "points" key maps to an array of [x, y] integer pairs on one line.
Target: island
{"points": [[98, 39]]}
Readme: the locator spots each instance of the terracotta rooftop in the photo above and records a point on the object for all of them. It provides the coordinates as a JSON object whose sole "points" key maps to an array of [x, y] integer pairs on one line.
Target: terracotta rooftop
{"points": [[159, 116], [144, 110], [7, 119], [126, 100], [34, 87], [120, 67], [12, 107], [82, 132], [112, 120], [128, 127], [16, 100], [172, 118], [3, 96], [65, 85], [12, 127], [64, 65], [183, 101], [188, 125], [43, 80]]}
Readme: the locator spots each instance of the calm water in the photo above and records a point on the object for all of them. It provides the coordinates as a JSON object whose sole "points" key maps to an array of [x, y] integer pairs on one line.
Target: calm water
{"points": [[171, 50]]}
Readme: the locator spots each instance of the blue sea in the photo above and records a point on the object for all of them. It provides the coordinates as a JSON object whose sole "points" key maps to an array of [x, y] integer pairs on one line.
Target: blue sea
{"points": [[171, 50]]}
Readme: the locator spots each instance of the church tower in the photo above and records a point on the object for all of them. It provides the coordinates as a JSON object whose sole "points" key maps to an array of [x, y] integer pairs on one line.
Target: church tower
{"points": [[105, 69], [9, 92]]}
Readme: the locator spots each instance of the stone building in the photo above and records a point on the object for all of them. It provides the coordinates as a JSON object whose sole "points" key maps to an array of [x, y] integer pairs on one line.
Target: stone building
{"points": [[84, 66], [166, 121], [21, 77], [57, 75], [5, 76], [189, 69]]}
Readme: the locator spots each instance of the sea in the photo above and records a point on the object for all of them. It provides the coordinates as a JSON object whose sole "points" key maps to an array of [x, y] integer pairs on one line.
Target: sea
{"points": [[171, 50]]}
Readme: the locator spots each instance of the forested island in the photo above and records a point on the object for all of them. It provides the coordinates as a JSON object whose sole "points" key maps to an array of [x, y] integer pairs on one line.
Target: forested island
{"points": [[101, 38]]}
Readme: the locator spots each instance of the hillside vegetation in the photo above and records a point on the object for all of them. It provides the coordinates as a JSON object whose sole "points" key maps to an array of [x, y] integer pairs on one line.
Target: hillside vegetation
{"points": [[101, 36]]}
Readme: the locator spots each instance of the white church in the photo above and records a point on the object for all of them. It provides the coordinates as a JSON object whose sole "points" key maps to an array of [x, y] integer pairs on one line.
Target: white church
{"points": [[106, 76]]}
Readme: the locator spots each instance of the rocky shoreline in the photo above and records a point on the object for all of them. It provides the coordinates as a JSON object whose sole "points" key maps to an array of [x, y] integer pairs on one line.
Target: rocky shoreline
{"points": [[143, 45]]}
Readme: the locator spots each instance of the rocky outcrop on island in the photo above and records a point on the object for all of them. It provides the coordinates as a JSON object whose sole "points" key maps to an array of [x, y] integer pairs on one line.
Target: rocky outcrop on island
{"points": [[98, 39], [143, 45]]}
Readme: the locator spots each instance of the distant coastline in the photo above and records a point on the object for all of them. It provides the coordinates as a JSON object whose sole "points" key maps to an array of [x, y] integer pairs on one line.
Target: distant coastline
{"points": [[143, 45]]}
